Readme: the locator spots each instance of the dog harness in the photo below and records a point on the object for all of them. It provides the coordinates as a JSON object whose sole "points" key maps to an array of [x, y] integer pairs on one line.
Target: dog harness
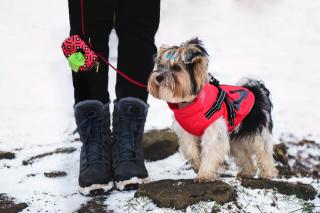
{"points": [[233, 103]]}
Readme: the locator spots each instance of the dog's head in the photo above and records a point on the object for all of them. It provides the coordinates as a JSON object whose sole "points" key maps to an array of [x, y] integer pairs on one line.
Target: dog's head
{"points": [[180, 72]]}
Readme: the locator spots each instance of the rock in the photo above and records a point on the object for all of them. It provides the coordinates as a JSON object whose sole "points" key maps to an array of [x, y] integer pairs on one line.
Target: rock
{"points": [[159, 144], [303, 191], [55, 174], [302, 169], [66, 150], [180, 194], [306, 142], [280, 153], [7, 155], [7, 205], [285, 171], [95, 205], [305, 161]]}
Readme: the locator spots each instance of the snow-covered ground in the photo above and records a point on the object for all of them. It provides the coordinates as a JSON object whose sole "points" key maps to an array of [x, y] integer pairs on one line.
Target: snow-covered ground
{"points": [[277, 41]]}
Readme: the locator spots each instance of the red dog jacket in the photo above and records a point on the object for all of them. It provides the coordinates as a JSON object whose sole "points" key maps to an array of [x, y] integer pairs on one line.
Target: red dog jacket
{"points": [[233, 103]]}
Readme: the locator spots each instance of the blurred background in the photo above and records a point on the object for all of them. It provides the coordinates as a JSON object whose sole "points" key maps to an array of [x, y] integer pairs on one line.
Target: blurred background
{"points": [[277, 41]]}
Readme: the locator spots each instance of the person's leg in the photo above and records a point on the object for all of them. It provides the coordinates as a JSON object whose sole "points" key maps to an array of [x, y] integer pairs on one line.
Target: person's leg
{"points": [[93, 21], [91, 96], [136, 25]]}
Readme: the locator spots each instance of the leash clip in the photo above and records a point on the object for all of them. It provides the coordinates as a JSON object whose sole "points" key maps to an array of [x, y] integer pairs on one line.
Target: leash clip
{"points": [[97, 66]]}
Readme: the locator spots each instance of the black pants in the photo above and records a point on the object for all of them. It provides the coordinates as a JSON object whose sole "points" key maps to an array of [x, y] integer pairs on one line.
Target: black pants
{"points": [[136, 23]]}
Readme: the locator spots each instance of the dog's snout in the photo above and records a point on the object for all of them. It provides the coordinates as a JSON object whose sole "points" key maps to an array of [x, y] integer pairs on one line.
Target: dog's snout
{"points": [[159, 78]]}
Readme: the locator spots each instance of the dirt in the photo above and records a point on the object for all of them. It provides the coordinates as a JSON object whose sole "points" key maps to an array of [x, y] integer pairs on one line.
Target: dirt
{"points": [[95, 205], [8, 205], [305, 162], [31, 160]]}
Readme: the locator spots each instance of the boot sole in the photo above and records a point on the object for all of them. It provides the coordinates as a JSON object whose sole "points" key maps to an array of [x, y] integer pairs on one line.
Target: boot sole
{"points": [[131, 184], [96, 189]]}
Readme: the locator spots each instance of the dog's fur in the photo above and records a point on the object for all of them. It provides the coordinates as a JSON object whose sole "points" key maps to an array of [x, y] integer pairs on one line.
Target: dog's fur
{"points": [[180, 73]]}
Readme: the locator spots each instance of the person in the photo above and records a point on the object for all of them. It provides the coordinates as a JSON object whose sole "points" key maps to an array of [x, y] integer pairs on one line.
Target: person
{"points": [[116, 157]]}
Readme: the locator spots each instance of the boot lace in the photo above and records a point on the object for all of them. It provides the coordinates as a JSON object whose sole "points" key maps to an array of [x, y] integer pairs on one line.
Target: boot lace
{"points": [[93, 134]]}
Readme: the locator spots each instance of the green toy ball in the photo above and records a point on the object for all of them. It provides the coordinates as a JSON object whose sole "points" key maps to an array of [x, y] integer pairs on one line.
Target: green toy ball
{"points": [[76, 60]]}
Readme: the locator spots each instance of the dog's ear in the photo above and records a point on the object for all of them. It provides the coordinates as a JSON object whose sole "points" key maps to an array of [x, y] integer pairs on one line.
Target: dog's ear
{"points": [[194, 50], [195, 41], [199, 68], [191, 56], [196, 59]]}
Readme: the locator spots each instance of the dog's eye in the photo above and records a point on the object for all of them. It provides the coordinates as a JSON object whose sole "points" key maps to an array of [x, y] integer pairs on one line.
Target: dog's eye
{"points": [[176, 67]]}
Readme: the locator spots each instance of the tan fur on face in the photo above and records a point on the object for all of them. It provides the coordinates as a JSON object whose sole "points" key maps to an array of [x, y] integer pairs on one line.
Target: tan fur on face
{"points": [[153, 88], [200, 70], [173, 91], [200, 64], [183, 86], [172, 63]]}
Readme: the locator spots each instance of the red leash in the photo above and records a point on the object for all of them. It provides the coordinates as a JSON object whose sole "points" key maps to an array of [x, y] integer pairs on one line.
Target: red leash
{"points": [[104, 59], [121, 73], [82, 19]]}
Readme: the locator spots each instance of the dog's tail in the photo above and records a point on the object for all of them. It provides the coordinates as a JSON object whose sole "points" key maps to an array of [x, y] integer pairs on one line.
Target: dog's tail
{"points": [[260, 115]]}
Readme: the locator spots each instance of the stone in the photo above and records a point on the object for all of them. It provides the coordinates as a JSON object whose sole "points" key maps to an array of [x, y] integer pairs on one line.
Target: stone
{"points": [[180, 194], [55, 174], [280, 153], [285, 171], [7, 155], [8, 205], [159, 144], [301, 190]]}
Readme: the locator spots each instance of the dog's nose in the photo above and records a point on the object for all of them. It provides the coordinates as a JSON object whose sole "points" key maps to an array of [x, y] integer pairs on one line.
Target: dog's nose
{"points": [[159, 78]]}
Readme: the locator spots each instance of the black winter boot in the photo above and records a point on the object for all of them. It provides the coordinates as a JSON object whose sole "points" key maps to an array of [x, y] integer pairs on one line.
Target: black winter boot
{"points": [[129, 117], [93, 121]]}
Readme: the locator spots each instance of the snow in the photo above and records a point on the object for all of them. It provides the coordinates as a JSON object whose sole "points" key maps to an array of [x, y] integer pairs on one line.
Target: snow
{"points": [[276, 41]]}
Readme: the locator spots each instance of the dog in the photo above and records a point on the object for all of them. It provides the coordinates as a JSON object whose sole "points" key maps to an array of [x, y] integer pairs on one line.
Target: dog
{"points": [[213, 120]]}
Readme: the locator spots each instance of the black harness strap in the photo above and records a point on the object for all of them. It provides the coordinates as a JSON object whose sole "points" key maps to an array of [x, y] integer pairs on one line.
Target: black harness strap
{"points": [[231, 111], [217, 104], [222, 97]]}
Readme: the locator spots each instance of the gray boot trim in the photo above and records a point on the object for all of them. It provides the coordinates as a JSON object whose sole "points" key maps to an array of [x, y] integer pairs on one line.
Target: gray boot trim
{"points": [[132, 100], [88, 102]]}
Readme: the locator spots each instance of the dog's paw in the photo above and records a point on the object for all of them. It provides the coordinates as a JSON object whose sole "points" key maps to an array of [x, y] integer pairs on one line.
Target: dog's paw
{"points": [[247, 174], [269, 174], [195, 164], [206, 179]]}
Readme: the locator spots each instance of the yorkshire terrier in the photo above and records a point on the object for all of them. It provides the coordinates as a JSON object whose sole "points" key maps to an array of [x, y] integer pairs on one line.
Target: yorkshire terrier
{"points": [[213, 120]]}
